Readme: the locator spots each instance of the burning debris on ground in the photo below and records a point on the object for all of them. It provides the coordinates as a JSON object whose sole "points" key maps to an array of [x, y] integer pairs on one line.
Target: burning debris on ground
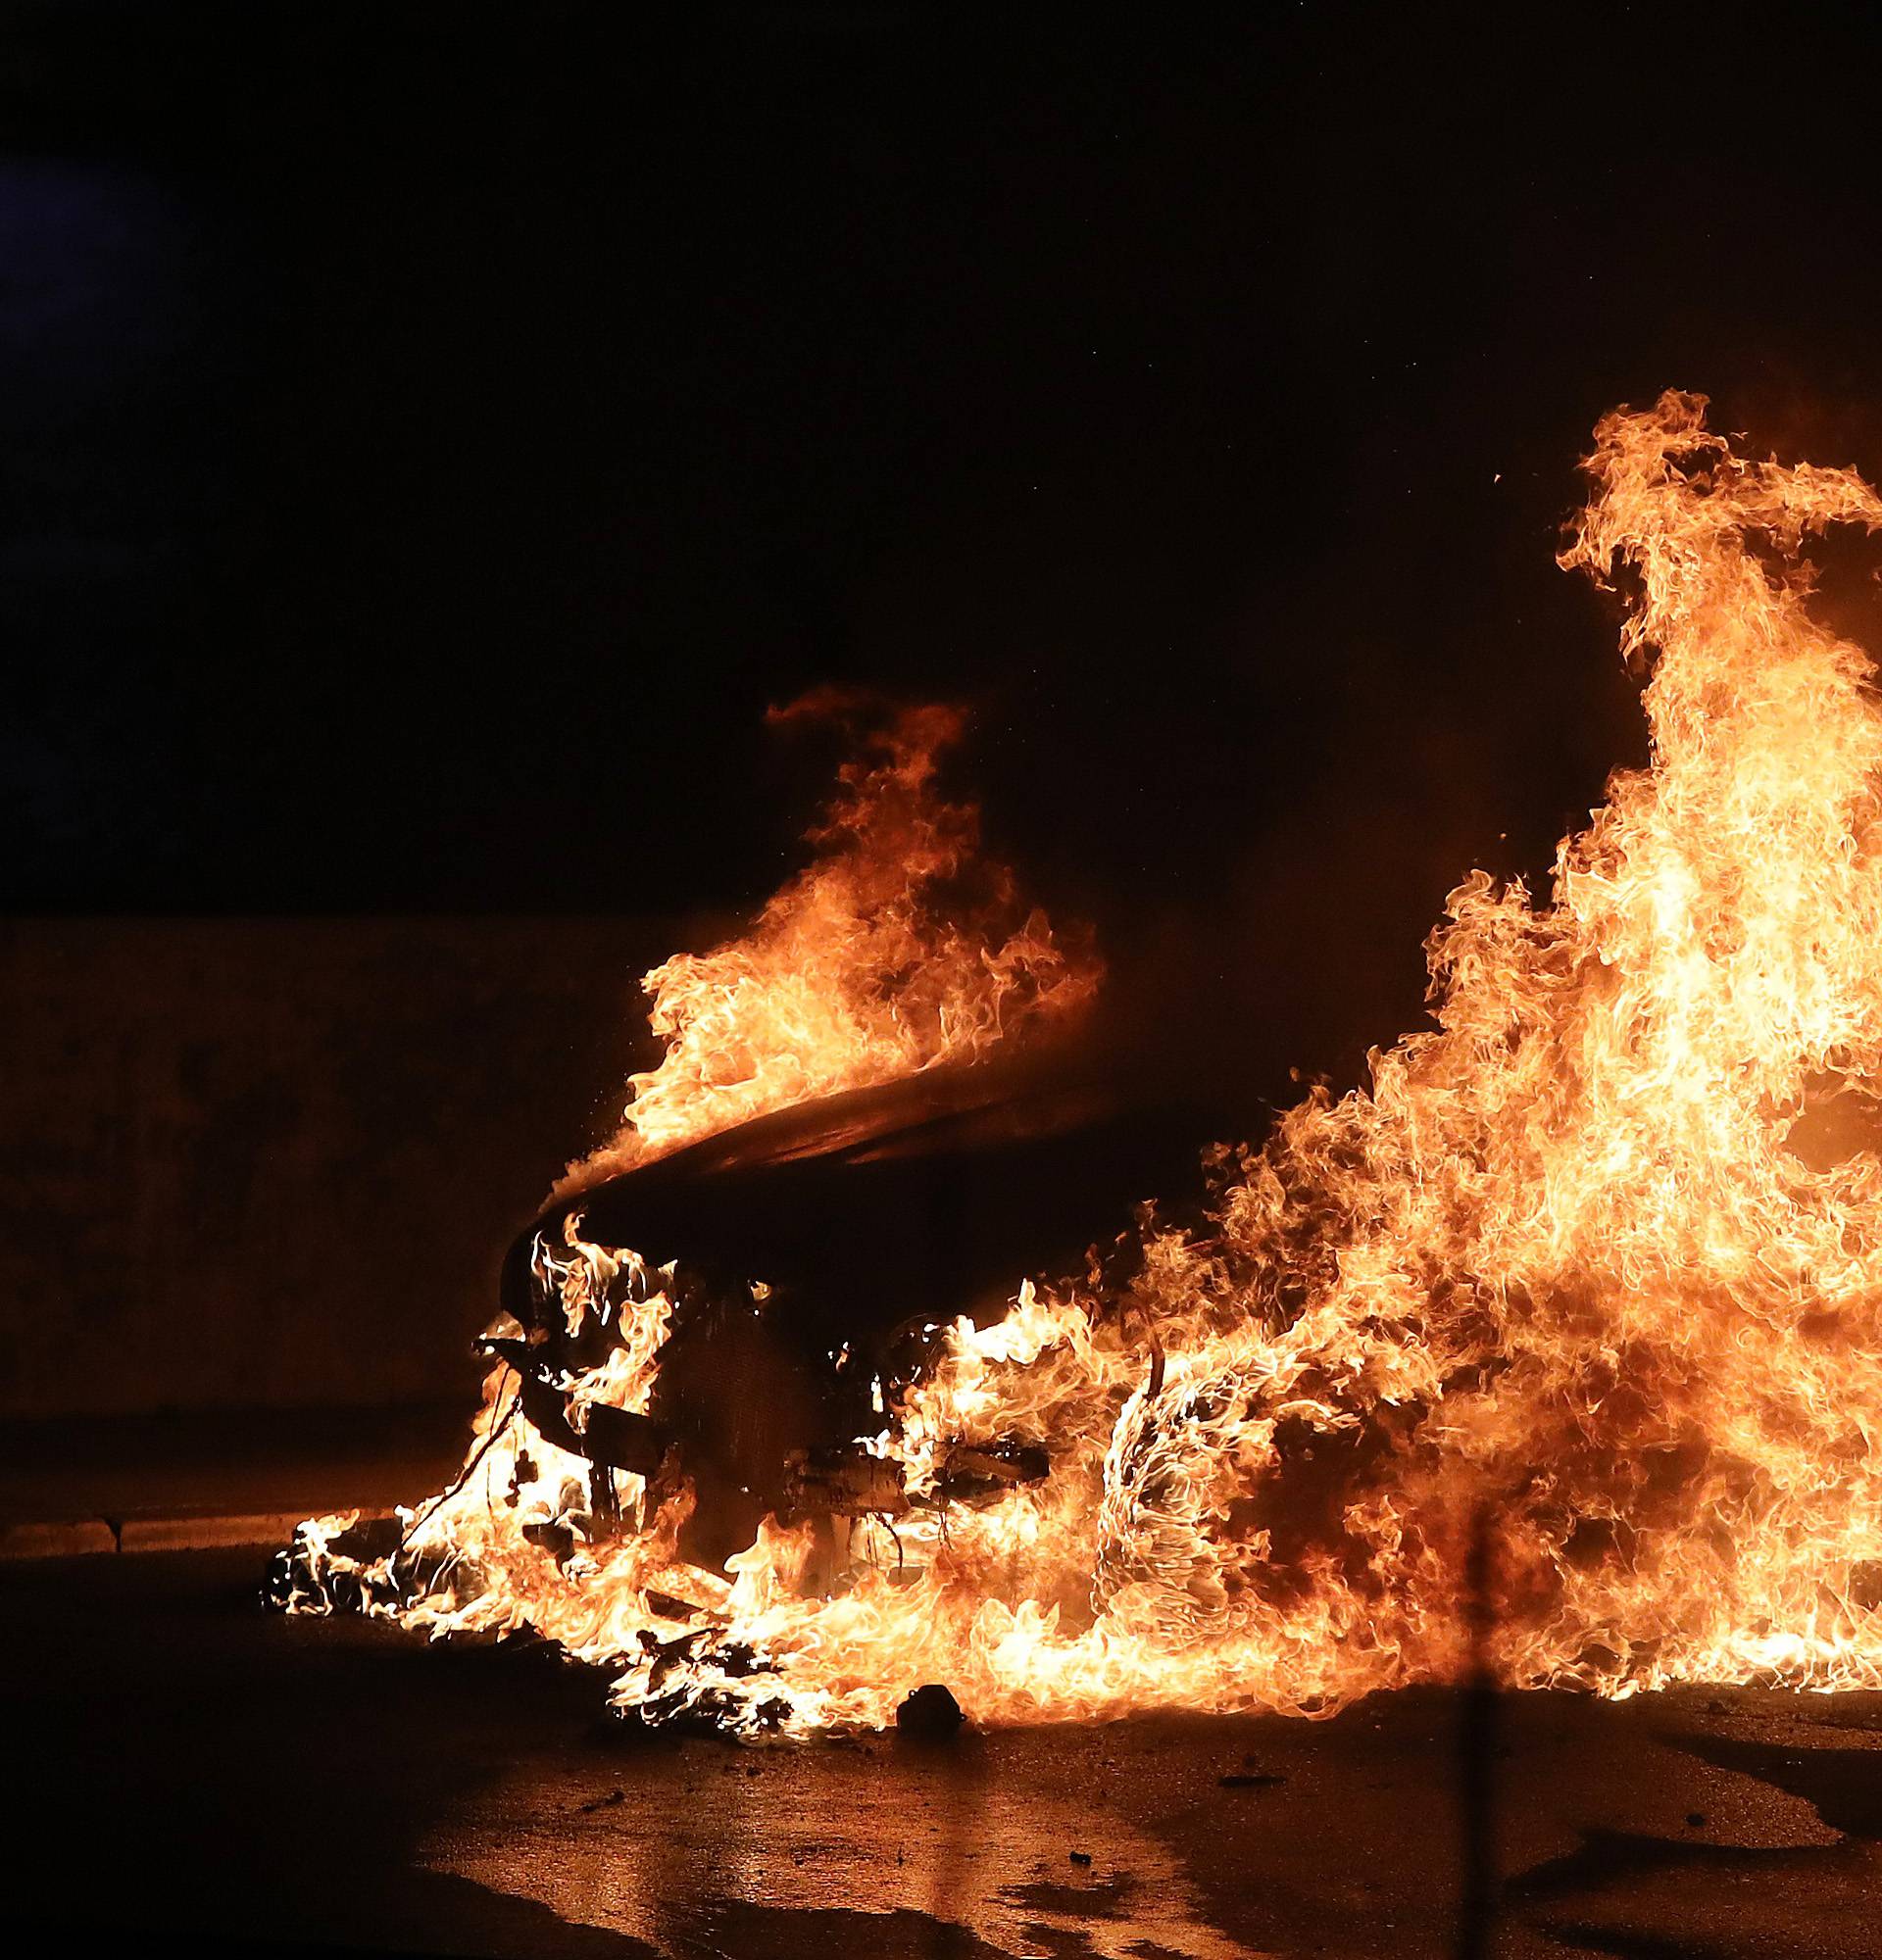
{"points": [[1544, 1361]]}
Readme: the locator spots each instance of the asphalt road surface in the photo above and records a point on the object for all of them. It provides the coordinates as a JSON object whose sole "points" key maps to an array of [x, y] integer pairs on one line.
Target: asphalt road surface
{"points": [[182, 1763]]}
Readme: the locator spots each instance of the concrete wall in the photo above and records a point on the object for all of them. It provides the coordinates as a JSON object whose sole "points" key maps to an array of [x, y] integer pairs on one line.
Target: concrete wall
{"points": [[275, 1162]]}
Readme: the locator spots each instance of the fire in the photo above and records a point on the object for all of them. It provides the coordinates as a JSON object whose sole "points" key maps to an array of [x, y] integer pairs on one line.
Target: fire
{"points": [[1556, 1352], [863, 968]]}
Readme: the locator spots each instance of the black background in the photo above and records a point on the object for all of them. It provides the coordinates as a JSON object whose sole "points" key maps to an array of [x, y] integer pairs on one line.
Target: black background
{"points": [[432, 435]]}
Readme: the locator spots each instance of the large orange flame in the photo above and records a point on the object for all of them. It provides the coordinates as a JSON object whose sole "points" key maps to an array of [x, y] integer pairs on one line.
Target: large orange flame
{"points": [[1559, 1350], [898, 948]]}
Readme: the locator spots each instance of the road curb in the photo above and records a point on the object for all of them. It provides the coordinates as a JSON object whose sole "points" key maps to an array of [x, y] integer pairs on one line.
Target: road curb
{"points": [[56, 1537], [174, 1531]]}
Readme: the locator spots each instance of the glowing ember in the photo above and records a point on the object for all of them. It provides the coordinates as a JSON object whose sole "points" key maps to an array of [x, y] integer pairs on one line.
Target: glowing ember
{"points": [[1569, 1327]]}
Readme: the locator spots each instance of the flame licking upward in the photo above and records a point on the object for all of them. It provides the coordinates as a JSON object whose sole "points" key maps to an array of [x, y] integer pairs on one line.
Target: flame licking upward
{"points": [[1583, 1295], [900, 947]]}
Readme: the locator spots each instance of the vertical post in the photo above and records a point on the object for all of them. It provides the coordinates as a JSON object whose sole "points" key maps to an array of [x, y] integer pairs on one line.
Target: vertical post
{"points": [[1478, 1716]]}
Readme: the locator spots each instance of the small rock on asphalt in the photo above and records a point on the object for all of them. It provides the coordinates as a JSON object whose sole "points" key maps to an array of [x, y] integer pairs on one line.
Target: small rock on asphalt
{"points": [[930, 1711]]}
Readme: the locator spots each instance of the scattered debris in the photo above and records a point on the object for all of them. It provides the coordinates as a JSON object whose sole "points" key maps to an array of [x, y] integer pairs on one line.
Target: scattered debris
{"points": [[606, 1802], [1081, 1857]]}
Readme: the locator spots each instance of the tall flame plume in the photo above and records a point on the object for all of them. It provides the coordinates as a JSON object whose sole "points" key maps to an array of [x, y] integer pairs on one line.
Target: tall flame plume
{"points": [[898, 948], [1558, 1351]]}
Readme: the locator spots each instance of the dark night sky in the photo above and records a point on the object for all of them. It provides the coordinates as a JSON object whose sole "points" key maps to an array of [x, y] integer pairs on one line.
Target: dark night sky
{"points": [[431, 436]]}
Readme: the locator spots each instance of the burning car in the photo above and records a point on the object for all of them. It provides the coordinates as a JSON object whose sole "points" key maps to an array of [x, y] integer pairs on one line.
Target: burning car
{"points": [[1554, 1354]]}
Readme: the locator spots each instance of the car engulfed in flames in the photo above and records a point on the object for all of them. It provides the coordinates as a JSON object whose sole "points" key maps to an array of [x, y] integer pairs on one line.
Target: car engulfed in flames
{"points": [[1554, 1352]]}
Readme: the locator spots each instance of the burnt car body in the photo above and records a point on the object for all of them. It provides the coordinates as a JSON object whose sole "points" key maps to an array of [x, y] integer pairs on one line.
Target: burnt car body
{"points": [[865, 1222]]}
